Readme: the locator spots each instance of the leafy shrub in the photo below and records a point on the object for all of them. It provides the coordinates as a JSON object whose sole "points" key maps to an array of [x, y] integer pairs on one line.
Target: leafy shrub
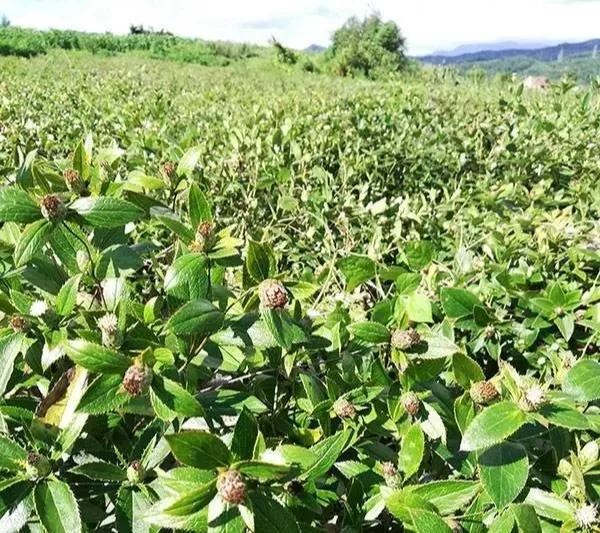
{"points": [[341, 305], [369, 47]]}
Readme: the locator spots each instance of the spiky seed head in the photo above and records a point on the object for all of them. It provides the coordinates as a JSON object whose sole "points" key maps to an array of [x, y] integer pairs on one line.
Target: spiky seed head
{"points": [[231, 487], [52, 207], [137, 379], [404, 339], [344, 409], [109, 327], [37, 465], [534, 397], [483, 392], [73, 181], [390, 474], [18, 323], [136, 472], [272, 294], [38, 308], [410, 401], [586, 516]]}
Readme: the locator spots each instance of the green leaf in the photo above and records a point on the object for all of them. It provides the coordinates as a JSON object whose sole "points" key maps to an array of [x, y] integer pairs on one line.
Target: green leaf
{"points": [[418, 254], [403, 504], [189, 161], [466, 370], [447, 496], [32, 240], [428, 522], [372, 332], [504, 470], [564, 416], [17, 206], [187, 277], [198, 206], [327, 452], [10, 346], [199, 317], [106, 212], [582, 381], [271, 517], [412, 451], [550, 505], [170, 399], [418, 308], [492, 425], [100, 470], [458, 303], [82, 157], [67, 296], [244, 436], [56, 507], [12, 456], [258, 263], [527, 520], [263, 471], [172, 221], [118, 261], [356, 269], [131, 508], [103, 395], [285, 332], [189, 512], [200, 449], [96, 358]]}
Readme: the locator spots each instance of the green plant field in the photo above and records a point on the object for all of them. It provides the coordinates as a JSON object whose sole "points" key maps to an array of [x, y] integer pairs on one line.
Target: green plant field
{"points": [[250, 298]]}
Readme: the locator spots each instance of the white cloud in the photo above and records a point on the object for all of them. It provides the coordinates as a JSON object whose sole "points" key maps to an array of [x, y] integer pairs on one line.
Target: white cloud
{"points": [[427, 24]]}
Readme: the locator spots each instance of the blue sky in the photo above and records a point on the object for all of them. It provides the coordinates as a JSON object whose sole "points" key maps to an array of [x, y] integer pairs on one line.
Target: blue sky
{"points": [[427, 24]]}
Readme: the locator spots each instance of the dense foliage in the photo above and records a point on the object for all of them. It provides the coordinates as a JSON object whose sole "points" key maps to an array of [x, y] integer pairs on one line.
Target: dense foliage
{"points": [[232, 299]]}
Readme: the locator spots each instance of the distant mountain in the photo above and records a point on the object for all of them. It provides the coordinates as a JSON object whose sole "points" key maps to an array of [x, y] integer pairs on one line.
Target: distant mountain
{"points": [[494, 46], [547, 53], [315, 48]]}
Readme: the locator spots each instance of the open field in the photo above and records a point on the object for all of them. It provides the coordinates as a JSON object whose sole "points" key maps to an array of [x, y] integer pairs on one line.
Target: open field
{"points": [[350, 305]]}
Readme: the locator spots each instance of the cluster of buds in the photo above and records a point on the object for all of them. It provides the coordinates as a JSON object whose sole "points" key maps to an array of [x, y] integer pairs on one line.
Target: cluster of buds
{"points": [[52, 207], [272, 294], [344, 409], [74, 181], [586, 516], [390, 474], [204, 237], [136, 472], [411, 403], [37, 465], [231, 487], [483, 392], [137, 379], [405, 339], [533, 398], [19, 323], [109, 327]]}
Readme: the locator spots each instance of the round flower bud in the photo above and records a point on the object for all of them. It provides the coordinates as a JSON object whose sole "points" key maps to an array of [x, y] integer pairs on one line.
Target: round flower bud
{"points": [[534, 398], [18, 323], [589, 453], [272, 294], [404, 339], [109, 327], [135, 472], [564, 468], [390, 474], [411, 403], [137, 379], [204, 237], [483, 392], [344, 409], [169, 172], [73, 180], [586, 516], [231, 487], [52, 207], [37, 465]]}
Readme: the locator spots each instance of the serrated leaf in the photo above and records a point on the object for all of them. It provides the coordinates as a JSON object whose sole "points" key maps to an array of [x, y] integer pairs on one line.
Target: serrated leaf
{"points": [[56, 507], [106, 212], [96, 358], [458, 303], [411, 451], [199, 449], [582, 381], [32, 240], [17, 206], [199, 317], [492, 425], [368, 331]]}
